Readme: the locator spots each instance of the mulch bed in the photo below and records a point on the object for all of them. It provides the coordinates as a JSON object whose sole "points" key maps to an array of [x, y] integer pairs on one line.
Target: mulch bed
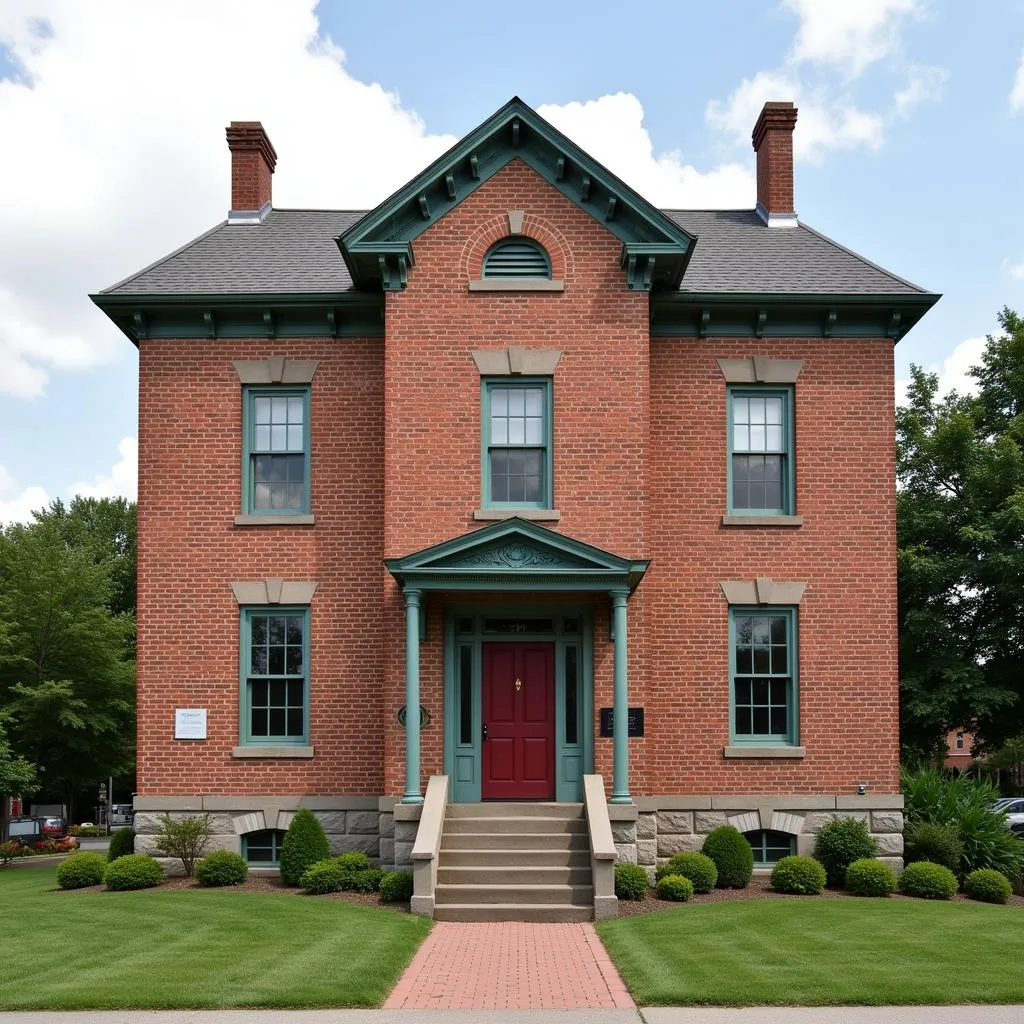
{"points": [[760, 888]]}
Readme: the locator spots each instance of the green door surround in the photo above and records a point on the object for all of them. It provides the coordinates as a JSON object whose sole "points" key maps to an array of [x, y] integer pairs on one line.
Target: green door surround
{"points": [[517, 556]]}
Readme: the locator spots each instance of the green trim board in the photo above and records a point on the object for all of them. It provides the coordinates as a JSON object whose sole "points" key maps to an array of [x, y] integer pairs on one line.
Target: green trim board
{"points": [[493, 446], [516, 555], [259, 444], [569, 627], [775, 408], [378, 249], [273, 683]]}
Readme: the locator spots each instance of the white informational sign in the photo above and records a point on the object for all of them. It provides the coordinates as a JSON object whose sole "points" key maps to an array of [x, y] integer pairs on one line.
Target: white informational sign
{"points": [[190, 723]]}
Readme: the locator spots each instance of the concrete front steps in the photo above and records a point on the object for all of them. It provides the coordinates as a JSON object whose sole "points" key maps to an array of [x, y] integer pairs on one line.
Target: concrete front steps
{"points": [[514, 862]]}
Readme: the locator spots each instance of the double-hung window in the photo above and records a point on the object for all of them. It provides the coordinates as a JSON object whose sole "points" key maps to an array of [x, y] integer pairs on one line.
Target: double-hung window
{"points": [[275, 470], [275, 676], [761, 451], [763, 660], [517, 443]]}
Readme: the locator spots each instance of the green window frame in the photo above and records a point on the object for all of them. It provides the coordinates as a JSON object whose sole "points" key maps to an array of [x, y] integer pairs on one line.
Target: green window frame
{"points": [[760, 460], [263, 849], [274, 707], [770, 847], [276, 450], [763, 676], [517, 442], [516, 257]]}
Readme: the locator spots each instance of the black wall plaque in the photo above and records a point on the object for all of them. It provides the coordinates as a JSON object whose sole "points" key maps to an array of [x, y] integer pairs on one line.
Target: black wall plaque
{"points": [[635, 724]]}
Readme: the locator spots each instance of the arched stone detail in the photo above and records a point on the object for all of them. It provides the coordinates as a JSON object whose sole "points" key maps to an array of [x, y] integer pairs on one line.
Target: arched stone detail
{"points": [[537, 229], [792, 824], [254, 821], [749, 821]]}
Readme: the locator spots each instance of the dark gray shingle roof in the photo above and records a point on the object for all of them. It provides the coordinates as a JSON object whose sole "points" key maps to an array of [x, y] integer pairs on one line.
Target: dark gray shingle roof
{"points": [[293, 251]]}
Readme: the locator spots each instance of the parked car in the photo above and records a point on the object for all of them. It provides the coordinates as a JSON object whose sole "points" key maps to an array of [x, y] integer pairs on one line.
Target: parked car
{"points": [[25, 830], [1014, 811], [55, 828]]}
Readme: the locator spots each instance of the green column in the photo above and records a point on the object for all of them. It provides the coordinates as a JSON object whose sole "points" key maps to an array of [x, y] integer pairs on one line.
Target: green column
{"points": [[620, 712], [412, 698]]}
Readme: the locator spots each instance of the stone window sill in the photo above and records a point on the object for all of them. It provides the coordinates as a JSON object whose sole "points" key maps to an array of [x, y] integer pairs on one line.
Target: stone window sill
{"points": [[752, 751], [762, 520], [522, 284], [272, 752], [536, 515], [269, 520]]}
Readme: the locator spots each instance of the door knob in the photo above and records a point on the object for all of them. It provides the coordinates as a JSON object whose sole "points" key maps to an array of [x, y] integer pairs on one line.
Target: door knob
{"points": [[485, 730]]}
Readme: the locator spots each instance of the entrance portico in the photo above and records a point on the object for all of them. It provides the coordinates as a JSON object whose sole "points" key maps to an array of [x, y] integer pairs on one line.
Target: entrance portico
{"points": [[540, 746]]}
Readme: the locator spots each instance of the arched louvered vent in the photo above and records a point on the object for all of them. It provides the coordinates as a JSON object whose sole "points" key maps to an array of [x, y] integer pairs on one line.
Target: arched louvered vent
{"points": [[517, 258]]}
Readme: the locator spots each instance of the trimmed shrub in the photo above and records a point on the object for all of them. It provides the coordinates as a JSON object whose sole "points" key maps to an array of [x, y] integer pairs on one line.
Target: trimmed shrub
{"points": [[184, 839], [927, 881], [222, 867], [323, 876], [732, 855], [802, 875], [630, 882], [870, 877], [368, 880], [988, 885], [353, 861], [133, 871], [85, 831], [699, 868], [396, 887], [927, 840], [675, 887], [304, 844], [839, 843], [122, 841], [82, 869]]}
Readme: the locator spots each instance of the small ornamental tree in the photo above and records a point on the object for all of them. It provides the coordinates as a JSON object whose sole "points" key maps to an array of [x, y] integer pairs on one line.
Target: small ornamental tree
{"points": [[305, 844], [122, 842], [184, 839]]}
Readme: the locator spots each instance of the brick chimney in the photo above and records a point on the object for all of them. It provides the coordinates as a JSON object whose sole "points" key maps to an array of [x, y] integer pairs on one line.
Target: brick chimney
{"points": [[253, 159], [773, 143]]}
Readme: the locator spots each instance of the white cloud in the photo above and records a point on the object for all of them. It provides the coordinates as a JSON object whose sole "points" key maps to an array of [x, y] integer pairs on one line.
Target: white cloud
{"points": [[952, 370], [1013, 269], [123, 479], [1017, 93], [924, 85], [121, 154], [18, 507]]}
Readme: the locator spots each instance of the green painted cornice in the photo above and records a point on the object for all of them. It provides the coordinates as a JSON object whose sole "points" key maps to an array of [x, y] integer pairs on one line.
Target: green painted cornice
{"points": [[378, 248], [697, 315], [292, 315], [516, 554]]}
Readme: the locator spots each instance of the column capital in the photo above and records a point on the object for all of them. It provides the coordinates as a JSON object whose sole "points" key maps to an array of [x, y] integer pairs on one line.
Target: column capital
{"points": [[619, 597], [413, 596]]}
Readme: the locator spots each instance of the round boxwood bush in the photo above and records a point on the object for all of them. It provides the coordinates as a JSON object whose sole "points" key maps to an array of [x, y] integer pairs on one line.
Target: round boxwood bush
{"points": [[305, 843], [802, 875], [221, 867], [699, 868], [927, 881], [675, 887], [82, 869], [133, 871], [396, 887], [985, 884], [367, 881], [122, 842], [323, 876], [941, 844], [870, 877], [732, 855], [630, 881], [353, 861], [839, 843]]}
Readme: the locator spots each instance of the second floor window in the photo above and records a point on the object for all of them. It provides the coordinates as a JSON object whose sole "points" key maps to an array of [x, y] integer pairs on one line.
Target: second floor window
{"points": [[760, 451], [517, 443], [276, 458]]}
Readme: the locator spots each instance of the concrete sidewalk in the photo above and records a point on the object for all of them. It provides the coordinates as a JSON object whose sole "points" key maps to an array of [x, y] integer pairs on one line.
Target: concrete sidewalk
{"points": [[660, 1015]]}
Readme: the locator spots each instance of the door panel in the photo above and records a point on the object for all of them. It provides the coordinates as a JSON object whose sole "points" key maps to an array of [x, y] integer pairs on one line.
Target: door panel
{"points": [[519, 751]]}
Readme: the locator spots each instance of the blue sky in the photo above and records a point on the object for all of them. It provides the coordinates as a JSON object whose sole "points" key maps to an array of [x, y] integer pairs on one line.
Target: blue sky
{"points": [[909, 149]]}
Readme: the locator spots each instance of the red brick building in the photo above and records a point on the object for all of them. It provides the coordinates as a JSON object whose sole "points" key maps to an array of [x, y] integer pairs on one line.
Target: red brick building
{"points": [[520, 450]]}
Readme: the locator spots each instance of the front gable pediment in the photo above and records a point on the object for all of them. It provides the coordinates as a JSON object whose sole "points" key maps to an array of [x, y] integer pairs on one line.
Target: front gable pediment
{"points": [[378, 249]]}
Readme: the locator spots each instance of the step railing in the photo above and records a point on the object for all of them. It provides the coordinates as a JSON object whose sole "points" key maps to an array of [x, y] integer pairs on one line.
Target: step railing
{"points": [[602, 847], [428, 845]]}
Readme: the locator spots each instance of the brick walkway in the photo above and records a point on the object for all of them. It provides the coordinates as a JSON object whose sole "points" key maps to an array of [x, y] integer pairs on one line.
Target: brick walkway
{"points": [[510, 965]]}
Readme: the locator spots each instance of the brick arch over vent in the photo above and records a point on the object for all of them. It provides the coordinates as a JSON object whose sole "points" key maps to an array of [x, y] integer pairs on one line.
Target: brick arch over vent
{"points": [[537, 229]]}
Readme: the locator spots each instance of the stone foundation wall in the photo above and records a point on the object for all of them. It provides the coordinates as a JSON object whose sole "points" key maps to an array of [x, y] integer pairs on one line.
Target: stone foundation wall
{"points": [[351, 823], [654, 828]]}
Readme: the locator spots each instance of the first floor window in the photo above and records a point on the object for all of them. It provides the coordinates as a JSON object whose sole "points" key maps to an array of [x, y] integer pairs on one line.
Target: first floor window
{"points": [[275, 675], [760, 451], [762, 660], [276, 466], [263, 849], [769, 847], [517, 443]]}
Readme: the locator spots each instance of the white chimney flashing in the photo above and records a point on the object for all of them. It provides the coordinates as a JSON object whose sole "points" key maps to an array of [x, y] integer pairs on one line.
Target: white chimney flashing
{"points": [[776, 220], [249, 216]]}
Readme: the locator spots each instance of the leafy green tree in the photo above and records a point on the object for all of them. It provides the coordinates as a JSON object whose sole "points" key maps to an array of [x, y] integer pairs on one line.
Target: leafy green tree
{"points": [[960, 508], [17, 776]]}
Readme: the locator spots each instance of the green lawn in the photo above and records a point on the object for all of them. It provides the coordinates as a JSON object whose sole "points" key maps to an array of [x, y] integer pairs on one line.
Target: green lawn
{"points": [[187, 948], [821, 952]]}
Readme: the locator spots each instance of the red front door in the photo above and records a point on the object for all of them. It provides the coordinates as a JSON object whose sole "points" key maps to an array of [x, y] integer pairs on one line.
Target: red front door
{"points": [[519, 718]]}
